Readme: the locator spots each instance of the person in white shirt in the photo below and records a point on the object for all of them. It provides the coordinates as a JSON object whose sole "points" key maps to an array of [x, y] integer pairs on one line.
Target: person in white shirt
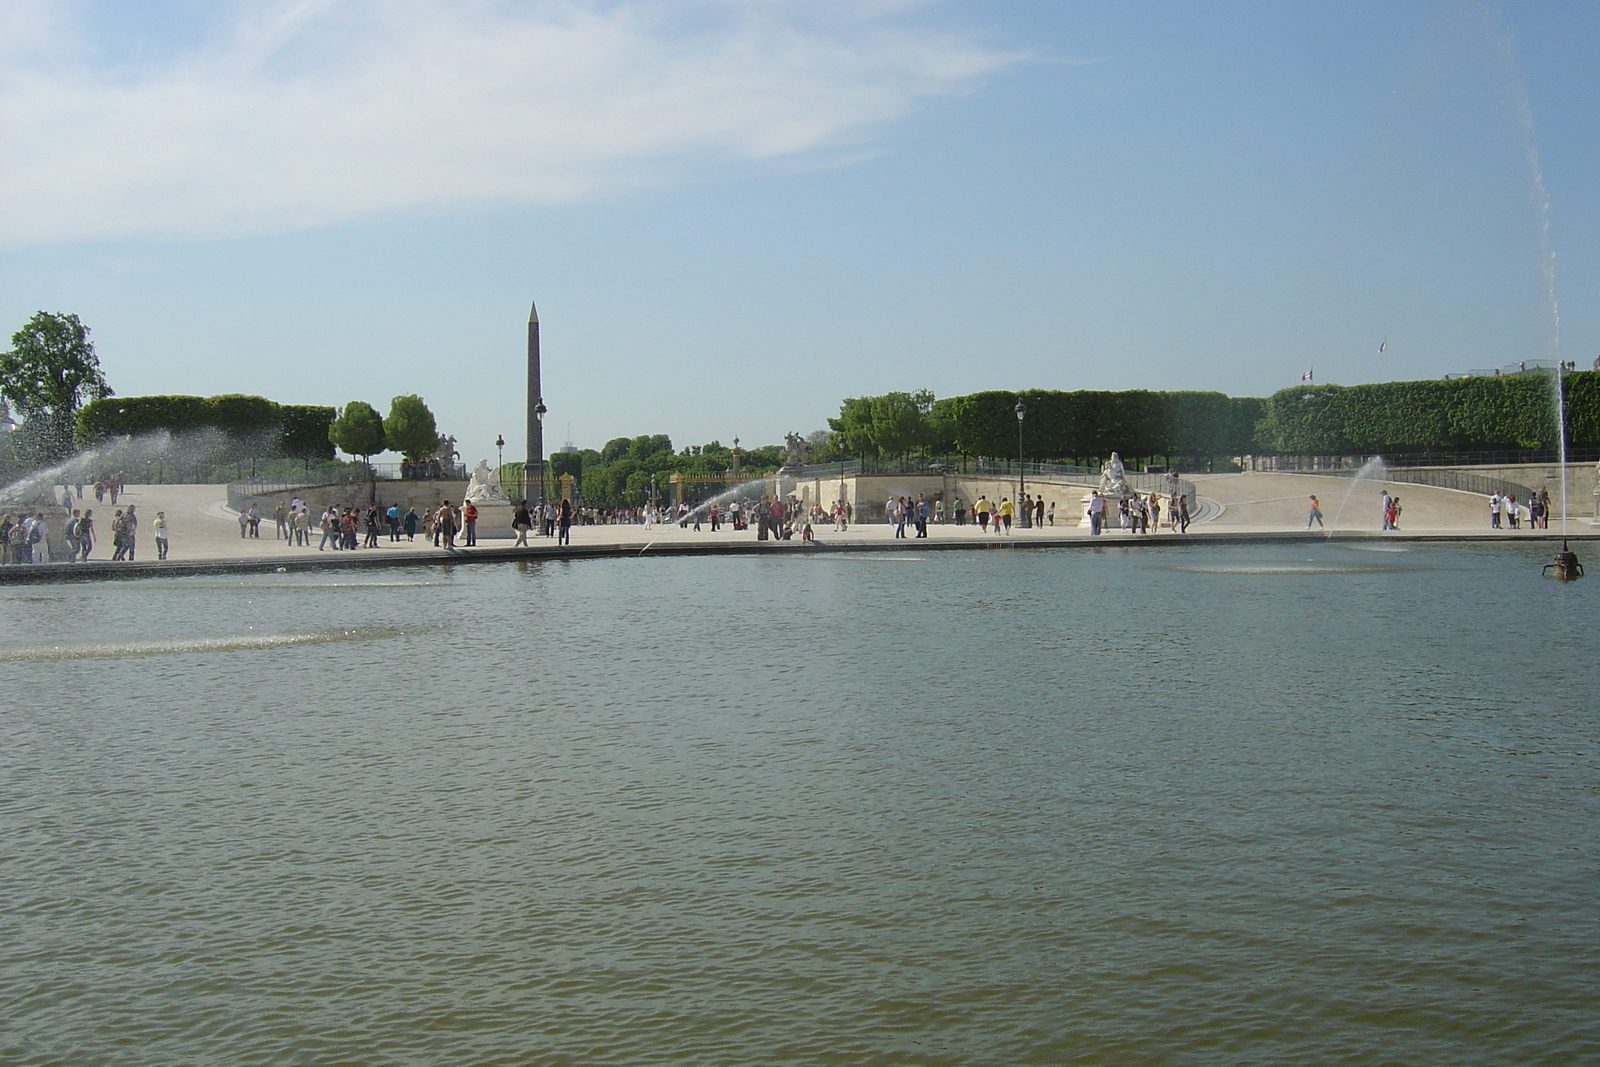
{"points": [[39, 538]]}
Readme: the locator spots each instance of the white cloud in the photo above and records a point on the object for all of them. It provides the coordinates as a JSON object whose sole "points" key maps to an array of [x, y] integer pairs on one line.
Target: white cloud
{"points": [[324, 110]]}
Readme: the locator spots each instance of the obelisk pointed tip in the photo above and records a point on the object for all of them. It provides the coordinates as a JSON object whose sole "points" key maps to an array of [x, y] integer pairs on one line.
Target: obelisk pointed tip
{"points": [[533, 314]]}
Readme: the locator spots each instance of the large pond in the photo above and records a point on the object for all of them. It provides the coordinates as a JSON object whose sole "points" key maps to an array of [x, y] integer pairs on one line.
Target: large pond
{"points": [[1314, 804]]}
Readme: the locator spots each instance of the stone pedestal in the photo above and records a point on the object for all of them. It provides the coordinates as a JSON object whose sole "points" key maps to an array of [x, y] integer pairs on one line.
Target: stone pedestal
{"points": [[494, 520]]}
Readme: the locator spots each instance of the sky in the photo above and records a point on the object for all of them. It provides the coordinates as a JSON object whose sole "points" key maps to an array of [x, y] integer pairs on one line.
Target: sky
{"points": [[733, 214]]}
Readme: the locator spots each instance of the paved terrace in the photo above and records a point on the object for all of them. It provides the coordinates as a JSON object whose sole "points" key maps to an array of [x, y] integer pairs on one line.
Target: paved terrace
{"points": [[1235, 508]]}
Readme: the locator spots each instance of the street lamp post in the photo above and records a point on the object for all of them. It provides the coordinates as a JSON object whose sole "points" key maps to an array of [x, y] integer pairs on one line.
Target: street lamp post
{"points": [[538, 413], [1022, 413]]}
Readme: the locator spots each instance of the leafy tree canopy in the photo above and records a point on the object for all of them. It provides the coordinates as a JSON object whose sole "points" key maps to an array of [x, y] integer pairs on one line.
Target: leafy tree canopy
{"points": [[50, 371], [51, 366], [409, 428], [358, 430]]}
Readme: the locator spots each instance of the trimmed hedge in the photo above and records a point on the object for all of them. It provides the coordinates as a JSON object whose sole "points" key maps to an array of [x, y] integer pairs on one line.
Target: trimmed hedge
{"points": [[1094, 423], [1459, 415], [257, 424]]}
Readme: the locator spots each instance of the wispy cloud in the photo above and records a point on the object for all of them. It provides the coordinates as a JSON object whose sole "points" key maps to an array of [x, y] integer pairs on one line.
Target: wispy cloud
{"points": [[318, 111]]}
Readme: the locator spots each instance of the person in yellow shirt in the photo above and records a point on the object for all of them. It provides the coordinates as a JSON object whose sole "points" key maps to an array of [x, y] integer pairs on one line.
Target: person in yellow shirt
{"points": [[1007, 509], [981, 509]]}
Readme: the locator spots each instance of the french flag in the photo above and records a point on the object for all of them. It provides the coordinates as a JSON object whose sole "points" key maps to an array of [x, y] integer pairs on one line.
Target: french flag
{"points": [[1306, 377]]}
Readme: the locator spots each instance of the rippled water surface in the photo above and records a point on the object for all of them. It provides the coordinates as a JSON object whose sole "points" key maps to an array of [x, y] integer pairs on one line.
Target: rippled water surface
{"points": [[1281, 805]]}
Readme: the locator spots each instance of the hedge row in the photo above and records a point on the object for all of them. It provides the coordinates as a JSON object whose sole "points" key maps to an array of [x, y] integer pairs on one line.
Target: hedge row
{"points": [[299, 431], [1094, 423], [1459, 415]]}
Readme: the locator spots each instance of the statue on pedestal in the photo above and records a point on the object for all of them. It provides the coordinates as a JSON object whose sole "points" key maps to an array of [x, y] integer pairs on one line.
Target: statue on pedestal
{"points": [[483, 487], [1114, 479], [795, 449]]}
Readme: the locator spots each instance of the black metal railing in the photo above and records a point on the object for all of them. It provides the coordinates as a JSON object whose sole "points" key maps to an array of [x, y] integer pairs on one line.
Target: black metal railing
{"points": [[1460, 481], [1503, 458]]}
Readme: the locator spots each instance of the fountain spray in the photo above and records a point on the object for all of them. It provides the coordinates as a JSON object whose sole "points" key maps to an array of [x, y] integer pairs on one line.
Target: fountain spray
{"points": [[1565, 566]]}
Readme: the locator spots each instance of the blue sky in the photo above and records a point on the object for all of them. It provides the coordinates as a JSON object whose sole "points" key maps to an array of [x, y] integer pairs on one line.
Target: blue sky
{"points": [[732, 215]]}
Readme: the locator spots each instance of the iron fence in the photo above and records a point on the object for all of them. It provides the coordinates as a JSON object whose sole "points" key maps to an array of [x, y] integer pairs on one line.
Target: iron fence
{"points": [[1505, 458], [1461, 481]]}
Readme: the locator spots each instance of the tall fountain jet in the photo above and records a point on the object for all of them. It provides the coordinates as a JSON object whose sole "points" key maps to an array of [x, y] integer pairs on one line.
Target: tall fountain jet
{"points": [[533, 467]]}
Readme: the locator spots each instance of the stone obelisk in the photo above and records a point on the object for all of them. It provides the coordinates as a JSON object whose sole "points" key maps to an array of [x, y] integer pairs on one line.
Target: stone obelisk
{"points": [[533, 468]]}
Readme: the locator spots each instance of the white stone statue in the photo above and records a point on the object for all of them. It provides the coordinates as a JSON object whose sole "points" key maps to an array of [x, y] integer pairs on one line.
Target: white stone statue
{"points": [[483, 487], [1114, 478]]}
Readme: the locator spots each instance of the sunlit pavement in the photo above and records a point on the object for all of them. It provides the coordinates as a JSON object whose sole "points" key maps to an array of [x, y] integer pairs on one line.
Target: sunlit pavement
{"points": [[201, 527]]}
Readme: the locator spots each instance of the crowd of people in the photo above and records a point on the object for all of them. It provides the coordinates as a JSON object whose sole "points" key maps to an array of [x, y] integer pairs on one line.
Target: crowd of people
{"points": [[1506, 513], [26, 539], [26, 536], [1138, 513]]}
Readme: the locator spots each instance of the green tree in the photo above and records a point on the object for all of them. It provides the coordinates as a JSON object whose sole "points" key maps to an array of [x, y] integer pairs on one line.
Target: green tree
{"points": [[50, 371], [358, 430], [853, 427], [304, 432], [409, 428], [653, 450]]}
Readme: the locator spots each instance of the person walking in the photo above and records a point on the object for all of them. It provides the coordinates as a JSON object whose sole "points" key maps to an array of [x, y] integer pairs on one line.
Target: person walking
{"points": [[1383, 508], [1007, 510], [1316, 513], [981, 509], [130, 524], [72, 536], [86, 534], [444, 526], [522, 522], [160, 527], [564, 522], [39, 539]]}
